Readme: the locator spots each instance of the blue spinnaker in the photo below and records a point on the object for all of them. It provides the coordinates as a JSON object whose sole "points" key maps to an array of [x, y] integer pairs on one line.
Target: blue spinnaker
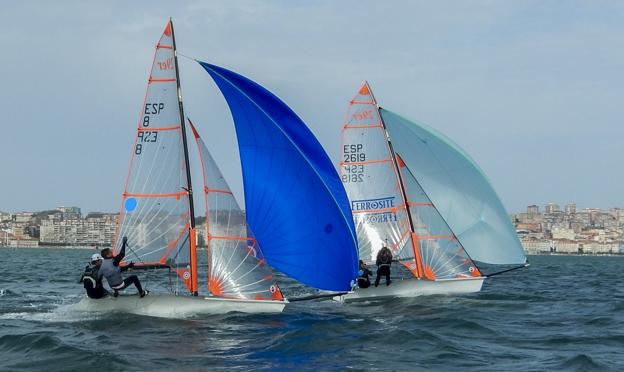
{"points": [[295, 203], [459, 190]]}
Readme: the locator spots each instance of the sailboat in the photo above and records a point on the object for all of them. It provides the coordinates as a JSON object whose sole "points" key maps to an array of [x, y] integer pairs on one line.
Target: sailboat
{"points": [[286, 174], [416, 192]]}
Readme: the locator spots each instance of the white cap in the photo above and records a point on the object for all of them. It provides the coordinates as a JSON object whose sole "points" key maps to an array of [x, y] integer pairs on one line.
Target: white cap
{"points": [[96, 257]]}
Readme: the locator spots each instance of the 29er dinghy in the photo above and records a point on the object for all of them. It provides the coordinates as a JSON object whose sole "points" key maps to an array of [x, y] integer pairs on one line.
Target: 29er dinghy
{"points": [[415, 191], [286, 175], [158, 215]]}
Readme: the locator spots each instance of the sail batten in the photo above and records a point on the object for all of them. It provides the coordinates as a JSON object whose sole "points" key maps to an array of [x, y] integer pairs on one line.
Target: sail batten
{"points": [[295, 203]]}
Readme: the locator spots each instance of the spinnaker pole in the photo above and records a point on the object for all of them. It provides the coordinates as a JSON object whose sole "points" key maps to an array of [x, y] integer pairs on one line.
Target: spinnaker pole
{"points": [[189, 185]]}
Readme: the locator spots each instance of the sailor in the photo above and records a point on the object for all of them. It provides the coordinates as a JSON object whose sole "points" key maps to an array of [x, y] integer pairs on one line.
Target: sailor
{"points": [[92, 278], [363, 276], [112, 272], [384, 260]]}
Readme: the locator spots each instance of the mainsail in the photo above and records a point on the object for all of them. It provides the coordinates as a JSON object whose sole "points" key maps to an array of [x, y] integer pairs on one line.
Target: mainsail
{"points": [[156, 213], [459, 190], [236, 267], [295, 204], [370, 178]]}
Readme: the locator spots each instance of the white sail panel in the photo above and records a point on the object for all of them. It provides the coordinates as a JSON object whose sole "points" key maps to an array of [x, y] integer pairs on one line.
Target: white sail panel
{"points": [[155, 210], [441, 254], [236, 266], [369, 176]]}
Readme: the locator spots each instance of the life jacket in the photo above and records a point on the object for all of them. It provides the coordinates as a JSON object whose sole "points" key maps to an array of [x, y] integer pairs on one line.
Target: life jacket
{"points": [[386, 256], [92, 285]]}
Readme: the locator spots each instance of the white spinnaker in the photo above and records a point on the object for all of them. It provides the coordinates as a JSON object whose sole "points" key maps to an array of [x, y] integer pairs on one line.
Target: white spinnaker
{"points": [[236, 268], [459, 189], [369, 176], [155, 210], [442, 255]]}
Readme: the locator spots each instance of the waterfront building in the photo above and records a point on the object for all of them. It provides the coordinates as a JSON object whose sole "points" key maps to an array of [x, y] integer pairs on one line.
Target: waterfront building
{"points": [[536, 246], [570, 208], [566, 246], [551, 208], [5, 217], [563, 233], [23, 217], [66, 227], [533, 210], [24, 243]]}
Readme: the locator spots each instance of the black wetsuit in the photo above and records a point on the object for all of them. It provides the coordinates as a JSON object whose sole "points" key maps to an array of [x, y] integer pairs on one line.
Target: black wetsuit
{"points": [[384, 260], [363, 280], [92, 282]]}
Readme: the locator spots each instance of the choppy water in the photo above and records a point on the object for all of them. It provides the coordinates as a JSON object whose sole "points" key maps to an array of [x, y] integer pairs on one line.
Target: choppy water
{"points": [[563, 313]]}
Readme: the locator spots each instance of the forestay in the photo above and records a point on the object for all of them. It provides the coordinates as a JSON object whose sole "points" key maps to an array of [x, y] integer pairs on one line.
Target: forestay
{"points": [[295, 203], [369, 175], [459, 190], [236, 267], [155, 207]]}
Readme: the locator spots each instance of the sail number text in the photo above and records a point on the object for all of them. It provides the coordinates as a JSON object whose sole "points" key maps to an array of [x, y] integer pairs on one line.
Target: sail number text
{"points": [[353, 154], [151, 108]]}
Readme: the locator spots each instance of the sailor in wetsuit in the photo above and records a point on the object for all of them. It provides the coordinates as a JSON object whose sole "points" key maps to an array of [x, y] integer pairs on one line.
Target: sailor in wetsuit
{"points": [[112, 272], [384, 260], [92, 278], [363, 276]]}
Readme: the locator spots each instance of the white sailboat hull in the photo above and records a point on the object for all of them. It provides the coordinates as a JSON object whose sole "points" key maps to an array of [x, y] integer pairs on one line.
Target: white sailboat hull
{"points": [[414, 288], [172, 306]]}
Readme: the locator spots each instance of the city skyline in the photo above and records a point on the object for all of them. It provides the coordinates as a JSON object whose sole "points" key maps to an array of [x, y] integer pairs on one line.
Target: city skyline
{"points": [[198, 213], [552, 230], [530, 90]]}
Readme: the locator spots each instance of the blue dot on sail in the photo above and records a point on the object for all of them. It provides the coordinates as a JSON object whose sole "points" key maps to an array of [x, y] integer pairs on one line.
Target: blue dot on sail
{"points": [[130, 204]]}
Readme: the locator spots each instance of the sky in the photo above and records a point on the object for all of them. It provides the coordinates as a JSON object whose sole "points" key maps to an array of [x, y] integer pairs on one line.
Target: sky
{"points": [[532, 90]]}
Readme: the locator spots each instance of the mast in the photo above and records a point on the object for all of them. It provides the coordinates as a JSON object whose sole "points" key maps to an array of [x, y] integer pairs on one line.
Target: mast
{"points": [[189, 185], [415, 245]]}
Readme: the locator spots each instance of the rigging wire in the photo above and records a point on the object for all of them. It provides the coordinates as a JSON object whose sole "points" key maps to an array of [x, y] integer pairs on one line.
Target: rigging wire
{"points": [[147, 277]]}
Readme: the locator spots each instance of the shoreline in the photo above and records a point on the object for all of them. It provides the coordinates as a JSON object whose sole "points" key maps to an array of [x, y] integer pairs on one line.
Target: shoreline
{"points": [[67, 247]]}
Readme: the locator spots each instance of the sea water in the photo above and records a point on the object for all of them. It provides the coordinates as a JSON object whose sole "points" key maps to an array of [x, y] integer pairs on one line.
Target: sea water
{"points": [[562, 313]]}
